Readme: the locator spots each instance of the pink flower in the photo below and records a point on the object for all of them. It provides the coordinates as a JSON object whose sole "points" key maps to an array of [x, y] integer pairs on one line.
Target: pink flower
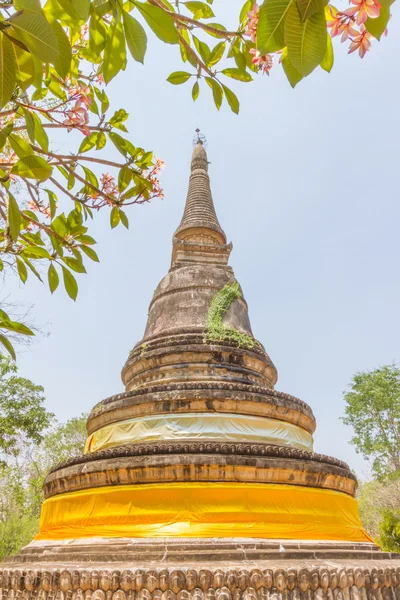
{"points": [[342, 24], [264, 63], [78, 117], [252, 20], [363, 9], [108, 185], [361, 43]]}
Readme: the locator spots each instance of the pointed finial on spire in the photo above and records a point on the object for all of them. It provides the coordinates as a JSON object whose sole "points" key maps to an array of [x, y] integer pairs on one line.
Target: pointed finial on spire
{"points": [[199, 227], [199, 139], [199, 208]]}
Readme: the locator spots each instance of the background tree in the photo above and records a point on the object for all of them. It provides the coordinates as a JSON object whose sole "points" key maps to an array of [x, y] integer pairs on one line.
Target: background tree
{"points": [[373, 410], [23, 417], [377, 499], [21, 481], [54, 63]]}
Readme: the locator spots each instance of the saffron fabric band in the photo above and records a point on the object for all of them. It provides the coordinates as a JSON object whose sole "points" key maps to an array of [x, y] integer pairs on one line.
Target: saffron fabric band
{"points": [[216, 426], [239, 510]]}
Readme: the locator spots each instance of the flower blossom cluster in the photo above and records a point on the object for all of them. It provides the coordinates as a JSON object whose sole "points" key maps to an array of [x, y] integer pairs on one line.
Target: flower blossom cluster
{"points": [[108, 186], [349, 24], [264, 62], [39, 207], [78, 115], [155, 182]]}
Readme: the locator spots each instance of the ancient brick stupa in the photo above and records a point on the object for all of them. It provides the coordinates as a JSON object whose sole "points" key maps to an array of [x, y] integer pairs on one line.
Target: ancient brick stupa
{"points": [[200, 480]]}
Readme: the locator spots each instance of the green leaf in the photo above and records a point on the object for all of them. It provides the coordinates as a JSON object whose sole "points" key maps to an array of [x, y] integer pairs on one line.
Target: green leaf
{"points": [[82, 8], [32, 5], [88, 142], [293, 76], [97, 34], [216, 54], [124, 178], [90, 253], [52, 202], [328, 60], [14, 217], [71, 180], [22, 271], [32, 167], [202, 49], [216, 90], [8, 346], [59, 225], [247, 6], [124, 219], [114, 217], [118, 117], [74, 264], [306, 42], [159, 22], [53, 278], [4, 133], [7, 70], [87, 239], [376, 27], [35, 252], [270, 27], [70, 283], [309, 7], [123, 145], [32, 268], [237, 74], [200, 10], [232, 99], [40, 133], [101, 140], [114, 52], [37, 34], [30, 124], [63, 63], [179, 77], [15, 326], [19, 145], [90, 178], [102, 97], [78, 10], [195, 90], [25, 67], [136, 37]]}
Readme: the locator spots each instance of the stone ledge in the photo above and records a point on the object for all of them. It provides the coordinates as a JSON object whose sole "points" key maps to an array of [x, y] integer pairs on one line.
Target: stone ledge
{"points": [[377, 581], [223, 386], [261, 450]]}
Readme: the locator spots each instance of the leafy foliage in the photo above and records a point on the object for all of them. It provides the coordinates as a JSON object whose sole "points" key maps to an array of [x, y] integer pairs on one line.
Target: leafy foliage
{"points": [[215, 330], [373, 410], [21, 482], [375, 499], [22, 414], [390, 531], [54, 62]]}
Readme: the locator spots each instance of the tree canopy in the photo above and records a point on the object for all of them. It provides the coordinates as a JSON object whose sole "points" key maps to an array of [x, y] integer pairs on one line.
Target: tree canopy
{"points": [[23, 418], [373, 411], [22, 477], [55, 61]]}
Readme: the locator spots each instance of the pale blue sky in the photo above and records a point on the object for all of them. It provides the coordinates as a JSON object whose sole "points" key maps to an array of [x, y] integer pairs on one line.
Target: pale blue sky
{"points": [[305, 184]]}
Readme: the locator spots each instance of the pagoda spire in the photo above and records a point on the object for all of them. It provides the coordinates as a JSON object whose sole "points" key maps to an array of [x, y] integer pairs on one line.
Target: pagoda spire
{"points": [[199, 208], [199, 224]]}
